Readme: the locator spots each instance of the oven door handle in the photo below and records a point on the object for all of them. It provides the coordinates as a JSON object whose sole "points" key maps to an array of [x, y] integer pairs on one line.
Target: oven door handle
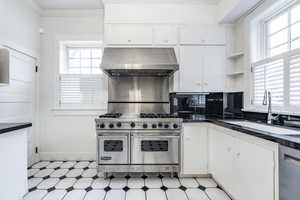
{"points": [[156, 136]]}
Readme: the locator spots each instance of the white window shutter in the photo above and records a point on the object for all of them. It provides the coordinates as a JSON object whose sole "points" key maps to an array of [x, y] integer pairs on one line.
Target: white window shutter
{"points": [[82, 91], [294, 80], [269, 76]]}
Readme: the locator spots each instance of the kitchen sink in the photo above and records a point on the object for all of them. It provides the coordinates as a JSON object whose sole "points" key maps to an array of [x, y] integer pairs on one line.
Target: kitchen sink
{"points": [[264, 127]]}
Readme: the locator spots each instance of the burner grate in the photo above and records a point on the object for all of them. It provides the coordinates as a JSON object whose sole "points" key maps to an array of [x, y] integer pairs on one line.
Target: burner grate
{"points": [[157, 115], [111, 115]]}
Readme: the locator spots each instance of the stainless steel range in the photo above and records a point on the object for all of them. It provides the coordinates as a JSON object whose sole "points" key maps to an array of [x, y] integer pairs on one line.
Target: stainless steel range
{"points": [[145, 137], [139, 144]]}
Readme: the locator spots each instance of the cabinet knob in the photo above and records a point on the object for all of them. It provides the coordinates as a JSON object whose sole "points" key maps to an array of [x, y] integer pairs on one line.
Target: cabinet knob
{"points": [[238, 154], [166, 41], [129, 40], [229, 149]]}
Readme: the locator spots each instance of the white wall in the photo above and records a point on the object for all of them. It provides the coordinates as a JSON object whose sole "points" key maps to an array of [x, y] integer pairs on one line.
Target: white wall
{"points": [[161, 13], [19, 22], [65, 135]]}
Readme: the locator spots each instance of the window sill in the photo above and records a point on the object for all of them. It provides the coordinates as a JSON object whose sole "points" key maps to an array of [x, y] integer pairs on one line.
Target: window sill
{"points": [[78, 111]]}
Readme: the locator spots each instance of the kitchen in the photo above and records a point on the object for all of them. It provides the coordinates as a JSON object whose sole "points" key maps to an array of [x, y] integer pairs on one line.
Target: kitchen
{"points": [[186, 99]]}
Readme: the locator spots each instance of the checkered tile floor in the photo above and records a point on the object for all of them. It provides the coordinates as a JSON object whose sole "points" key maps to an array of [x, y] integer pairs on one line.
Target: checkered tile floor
{"points": [[78, 180]]}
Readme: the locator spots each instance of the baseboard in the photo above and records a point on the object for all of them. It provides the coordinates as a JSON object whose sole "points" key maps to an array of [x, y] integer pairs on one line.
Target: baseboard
{"points": [[67, 156]]}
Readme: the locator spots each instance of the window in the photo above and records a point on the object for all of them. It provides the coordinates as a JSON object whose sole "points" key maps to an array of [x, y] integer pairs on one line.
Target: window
{"points": [[81, 83], [269, 76], [283, 31]]}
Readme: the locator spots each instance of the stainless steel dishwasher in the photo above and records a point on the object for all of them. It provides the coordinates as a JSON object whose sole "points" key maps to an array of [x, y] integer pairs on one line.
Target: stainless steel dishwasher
{"points": [[289, 173]]}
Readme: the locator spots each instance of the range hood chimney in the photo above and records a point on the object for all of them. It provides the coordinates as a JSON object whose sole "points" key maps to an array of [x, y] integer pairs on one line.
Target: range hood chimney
{"points": [[159, 62]]}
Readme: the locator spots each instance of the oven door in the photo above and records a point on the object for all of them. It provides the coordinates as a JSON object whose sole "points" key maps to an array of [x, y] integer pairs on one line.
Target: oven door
{"points": [[155, 148], [113, 149]]}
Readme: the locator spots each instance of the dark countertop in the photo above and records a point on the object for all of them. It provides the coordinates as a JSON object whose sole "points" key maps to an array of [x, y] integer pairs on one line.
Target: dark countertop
{"points": [[285, 140], [8, 127]]}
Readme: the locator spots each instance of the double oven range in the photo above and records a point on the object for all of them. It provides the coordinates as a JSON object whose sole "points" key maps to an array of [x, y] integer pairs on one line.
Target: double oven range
{"points": [[147, 143], [145, 137]]}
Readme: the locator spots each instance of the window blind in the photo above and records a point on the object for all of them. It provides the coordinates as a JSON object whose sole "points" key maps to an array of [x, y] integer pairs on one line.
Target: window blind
{"points": [[80, 90], [294, 80], [269, 76]]}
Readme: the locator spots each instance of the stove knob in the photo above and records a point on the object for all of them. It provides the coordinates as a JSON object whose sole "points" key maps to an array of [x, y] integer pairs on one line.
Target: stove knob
{"points": [[166, 125], [175, 125], [145, 125], [111, 125], [159, 124], [132, 124], [102, 125], [154, 126], [119, 124]]}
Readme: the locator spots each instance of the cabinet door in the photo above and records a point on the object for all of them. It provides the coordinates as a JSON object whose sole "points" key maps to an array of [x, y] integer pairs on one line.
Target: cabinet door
{"points": [[204, 34], [194, 157], [221, 151], [191, 68], [214, 68], [165, 35], [254, 172], [127, 34]]}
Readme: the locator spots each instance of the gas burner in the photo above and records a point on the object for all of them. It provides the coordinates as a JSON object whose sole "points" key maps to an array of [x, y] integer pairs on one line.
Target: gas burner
{"points": [[157, 115], [111, 115]]}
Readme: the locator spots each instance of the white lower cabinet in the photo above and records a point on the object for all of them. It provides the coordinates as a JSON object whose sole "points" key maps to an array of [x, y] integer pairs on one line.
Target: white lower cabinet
{"points": [[247, 167], [194, 149]]}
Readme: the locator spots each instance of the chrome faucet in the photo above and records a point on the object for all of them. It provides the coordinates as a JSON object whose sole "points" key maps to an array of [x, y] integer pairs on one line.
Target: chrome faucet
{"points": [[268, 101]]}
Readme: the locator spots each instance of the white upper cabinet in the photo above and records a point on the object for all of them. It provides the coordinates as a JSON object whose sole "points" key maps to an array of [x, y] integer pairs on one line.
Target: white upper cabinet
{"points": [[214, 72], [128, 34], [165, 35], [202, 68], [202, 34]]}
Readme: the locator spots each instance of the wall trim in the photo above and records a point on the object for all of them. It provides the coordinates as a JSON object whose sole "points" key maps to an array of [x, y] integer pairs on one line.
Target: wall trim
{"points": [[72, 13], [67, 156]]}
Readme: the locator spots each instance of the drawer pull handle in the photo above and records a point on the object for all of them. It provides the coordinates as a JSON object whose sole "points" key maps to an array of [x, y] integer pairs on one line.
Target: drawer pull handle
{"points": [[292, 159]]}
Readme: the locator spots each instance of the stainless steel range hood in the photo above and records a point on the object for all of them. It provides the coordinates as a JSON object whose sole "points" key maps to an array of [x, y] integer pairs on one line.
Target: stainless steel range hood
{"points": [[160, 62]]}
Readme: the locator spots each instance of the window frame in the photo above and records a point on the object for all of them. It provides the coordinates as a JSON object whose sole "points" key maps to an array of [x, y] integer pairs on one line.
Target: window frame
{"points": [[62, 63], [286, 9]]}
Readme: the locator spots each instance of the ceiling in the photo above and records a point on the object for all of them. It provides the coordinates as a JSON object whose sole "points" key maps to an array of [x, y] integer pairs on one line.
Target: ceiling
{"points": [[92, 4]]}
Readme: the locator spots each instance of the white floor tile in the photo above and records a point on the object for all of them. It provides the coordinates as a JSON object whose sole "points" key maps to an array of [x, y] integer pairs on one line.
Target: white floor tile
{"points": [[117, 183], [33, 182], [115, 195], [59, 173], [100, 183], [189, 182], [156, 194], [206, 182], [196, 194], [135, 183], [75, 195], [74, 173], [89, 173], [83, 183], [44, 172], [95, 195], [35, 195], [31, 172], [176, 194], [171, 182], [135, 195], [68, 164], [55, 195], [55, 164], [48, 183], [65, 183], [82, 164], [41, 164], [93, 165], [216, 194], [153, 182]]}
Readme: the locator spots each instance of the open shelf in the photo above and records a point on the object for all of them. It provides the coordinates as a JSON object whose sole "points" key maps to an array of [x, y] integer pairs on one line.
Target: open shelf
{"points": [[236, 55]]}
